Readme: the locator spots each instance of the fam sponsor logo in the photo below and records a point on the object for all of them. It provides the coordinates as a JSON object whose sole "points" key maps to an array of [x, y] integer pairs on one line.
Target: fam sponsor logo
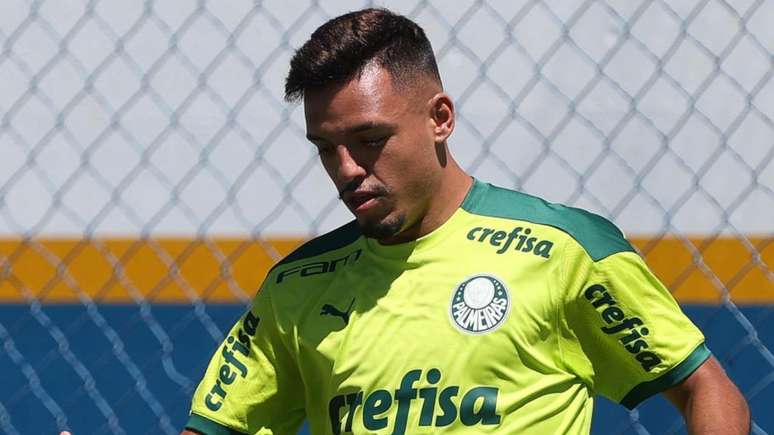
{"points": [[479, 304], [227, 373], [318, 267], [520, 238], [477, 406], [633, 327]]}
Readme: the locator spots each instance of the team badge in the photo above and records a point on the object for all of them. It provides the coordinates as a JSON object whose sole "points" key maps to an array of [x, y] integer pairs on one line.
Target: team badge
{"points": [[480, 304]]}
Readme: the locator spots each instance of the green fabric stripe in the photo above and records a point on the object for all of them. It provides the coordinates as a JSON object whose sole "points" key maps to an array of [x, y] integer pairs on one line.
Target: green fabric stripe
{"points": [[596, 235], [335, 239], [208, 427], [668, 379]]}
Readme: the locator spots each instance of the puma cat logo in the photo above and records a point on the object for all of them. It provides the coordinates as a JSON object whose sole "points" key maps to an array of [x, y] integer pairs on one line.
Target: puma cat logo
{"points": [[330, 310]]}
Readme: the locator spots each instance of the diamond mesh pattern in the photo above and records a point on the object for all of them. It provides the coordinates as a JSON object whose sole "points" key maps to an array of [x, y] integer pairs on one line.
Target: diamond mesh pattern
{"points": [[150, 119]]}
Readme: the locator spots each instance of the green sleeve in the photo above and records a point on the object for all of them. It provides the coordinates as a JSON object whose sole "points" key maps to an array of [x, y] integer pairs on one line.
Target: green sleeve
{"points": [[629, 336], [252, 384]]}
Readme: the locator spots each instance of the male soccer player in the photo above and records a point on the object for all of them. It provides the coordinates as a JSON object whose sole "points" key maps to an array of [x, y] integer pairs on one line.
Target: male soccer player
{"points": [[448, 305]]}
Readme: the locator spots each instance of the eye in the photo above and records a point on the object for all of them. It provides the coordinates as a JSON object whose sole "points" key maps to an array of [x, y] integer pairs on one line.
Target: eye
{"points": [[323, 148], [375, 142]]}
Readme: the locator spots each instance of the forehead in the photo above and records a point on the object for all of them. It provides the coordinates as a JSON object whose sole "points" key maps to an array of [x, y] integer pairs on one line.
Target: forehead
{"points": [[370, 97]]}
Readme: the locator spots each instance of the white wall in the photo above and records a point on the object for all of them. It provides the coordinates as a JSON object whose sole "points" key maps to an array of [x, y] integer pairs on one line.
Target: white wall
{"points": [[96, 135]]}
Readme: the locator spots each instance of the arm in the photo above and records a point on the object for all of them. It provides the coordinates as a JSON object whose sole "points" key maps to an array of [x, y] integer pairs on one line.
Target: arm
{"points": [[710, 402], [251, 384]]}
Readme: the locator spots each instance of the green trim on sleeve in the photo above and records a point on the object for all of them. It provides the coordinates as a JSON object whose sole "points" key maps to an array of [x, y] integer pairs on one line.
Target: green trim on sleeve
{"points": [[598, 236], [671, 378], [208, 427], [338, 238]]}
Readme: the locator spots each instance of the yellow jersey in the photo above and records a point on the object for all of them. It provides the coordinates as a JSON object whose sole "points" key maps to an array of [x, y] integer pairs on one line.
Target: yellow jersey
{"points": [[509, 318]]}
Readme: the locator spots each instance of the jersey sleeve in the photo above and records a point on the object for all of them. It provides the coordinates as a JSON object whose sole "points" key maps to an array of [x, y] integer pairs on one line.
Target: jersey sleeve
{"points": [[625, 333], [252, 383]]}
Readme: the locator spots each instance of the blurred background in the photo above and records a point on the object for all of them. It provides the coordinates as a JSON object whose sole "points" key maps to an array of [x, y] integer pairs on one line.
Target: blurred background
{"points": [[151, 173]]}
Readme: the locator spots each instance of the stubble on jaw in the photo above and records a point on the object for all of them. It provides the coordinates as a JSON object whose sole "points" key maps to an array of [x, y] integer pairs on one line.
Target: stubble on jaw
{"points": [[380, 229], [384, 229]]}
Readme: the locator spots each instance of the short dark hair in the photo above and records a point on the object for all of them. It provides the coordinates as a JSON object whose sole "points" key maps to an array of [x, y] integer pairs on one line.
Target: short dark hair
{"points": [[339, 50]]}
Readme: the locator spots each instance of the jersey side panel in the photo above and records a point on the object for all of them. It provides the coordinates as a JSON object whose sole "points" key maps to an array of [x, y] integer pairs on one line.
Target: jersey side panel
{"points": [[253, 383], [629, 328], [310, 305]]}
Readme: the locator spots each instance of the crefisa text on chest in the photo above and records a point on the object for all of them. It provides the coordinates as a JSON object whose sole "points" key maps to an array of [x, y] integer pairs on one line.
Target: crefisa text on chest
{"points": [[519, 239]]}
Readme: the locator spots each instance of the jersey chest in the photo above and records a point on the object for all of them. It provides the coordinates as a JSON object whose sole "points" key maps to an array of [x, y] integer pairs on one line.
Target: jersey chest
{"points": [[376, 322], [461, 337]]}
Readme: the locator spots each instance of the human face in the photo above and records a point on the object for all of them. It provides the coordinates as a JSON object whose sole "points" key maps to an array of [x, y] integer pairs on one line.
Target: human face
{"points": [[376, 143]]}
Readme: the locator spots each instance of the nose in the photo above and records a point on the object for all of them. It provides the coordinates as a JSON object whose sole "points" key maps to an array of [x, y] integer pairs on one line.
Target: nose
{"points": [[348, 166]]}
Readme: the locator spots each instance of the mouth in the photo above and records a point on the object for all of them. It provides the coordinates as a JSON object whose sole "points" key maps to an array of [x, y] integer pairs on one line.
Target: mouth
{"points": [[360, 202]]}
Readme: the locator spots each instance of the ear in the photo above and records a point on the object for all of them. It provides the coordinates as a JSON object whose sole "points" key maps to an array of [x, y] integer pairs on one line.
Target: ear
{"points": [[441, 116]]}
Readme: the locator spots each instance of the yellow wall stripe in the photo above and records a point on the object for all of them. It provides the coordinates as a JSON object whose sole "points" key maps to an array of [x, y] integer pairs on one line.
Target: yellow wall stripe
{"points": [[699, 270], [223, 270]]}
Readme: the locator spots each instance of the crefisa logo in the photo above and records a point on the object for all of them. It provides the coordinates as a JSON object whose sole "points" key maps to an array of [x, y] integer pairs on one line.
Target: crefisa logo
{"points": [[480, 304]]}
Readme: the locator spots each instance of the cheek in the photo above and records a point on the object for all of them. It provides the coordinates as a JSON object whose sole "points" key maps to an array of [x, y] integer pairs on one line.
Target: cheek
{"points": [[415, 165], [406, 174]]}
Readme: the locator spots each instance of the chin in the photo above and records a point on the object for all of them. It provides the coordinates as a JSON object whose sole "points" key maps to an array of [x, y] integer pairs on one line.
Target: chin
{"points": [[383, 229]]}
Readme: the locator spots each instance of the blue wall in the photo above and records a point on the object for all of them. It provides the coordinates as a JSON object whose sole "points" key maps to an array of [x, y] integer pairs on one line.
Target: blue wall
{"points": [[140, 392]]}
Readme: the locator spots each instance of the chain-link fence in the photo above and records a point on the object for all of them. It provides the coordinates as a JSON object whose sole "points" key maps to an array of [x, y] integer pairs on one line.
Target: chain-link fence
{"points": [[150, 172]]}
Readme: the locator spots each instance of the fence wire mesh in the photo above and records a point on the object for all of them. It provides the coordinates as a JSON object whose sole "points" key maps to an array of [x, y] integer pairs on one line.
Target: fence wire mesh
{"points": [[147, 156]]}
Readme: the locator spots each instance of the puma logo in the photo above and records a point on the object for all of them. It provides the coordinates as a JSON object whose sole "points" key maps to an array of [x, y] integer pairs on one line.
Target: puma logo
{"points": [[330, 310]]}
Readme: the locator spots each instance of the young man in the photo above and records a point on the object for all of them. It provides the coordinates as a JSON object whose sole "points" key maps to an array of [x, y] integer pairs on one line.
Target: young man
{"points": [[448, 305]]}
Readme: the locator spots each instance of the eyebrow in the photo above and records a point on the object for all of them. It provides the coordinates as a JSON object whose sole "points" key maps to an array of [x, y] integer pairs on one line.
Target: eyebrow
{"points": [[365, 126]]}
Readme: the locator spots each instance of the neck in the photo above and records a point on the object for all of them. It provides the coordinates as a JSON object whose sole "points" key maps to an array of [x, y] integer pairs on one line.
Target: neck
{"points": [[450, 190]]}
